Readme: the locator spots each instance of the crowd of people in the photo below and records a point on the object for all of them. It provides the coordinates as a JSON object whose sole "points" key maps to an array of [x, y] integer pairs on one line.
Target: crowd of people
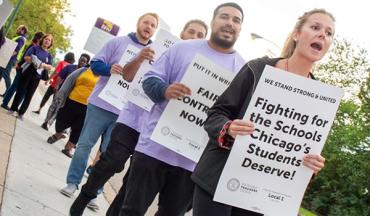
{"points": [[125, 134]]}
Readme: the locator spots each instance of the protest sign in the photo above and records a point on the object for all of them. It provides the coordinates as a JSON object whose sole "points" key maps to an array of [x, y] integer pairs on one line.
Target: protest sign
{"points": [[101, 33], [6, 8], [180, 127], [292, 117], [6, 52], [163, 41], [116, 88]]}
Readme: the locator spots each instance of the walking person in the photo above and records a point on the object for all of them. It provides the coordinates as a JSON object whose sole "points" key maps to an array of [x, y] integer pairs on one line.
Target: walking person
{"points": [[74, 92], [69, 58], [308, 43], [125, 135], [193, 29], [101, 116], [83, 61], [154, 168], [13, 87], [20, 39], [39, 60]]}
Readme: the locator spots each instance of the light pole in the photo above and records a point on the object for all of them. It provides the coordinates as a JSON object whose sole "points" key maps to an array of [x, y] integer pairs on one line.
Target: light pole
{"points": [[255, 36], [12, 16]]}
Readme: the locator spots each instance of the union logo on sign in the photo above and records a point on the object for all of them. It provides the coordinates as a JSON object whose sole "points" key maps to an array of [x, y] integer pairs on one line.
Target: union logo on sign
{"points": [[165, 131], [233, 184]]}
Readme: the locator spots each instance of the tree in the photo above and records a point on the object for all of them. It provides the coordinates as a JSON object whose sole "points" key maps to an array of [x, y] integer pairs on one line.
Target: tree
{"points": [[46, 16], [342, 188], [346, 67]]}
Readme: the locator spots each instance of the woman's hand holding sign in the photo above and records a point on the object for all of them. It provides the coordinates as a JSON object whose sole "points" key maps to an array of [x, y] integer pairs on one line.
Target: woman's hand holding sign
{"points": [[246, 127], [314, 162], [240, 127]]}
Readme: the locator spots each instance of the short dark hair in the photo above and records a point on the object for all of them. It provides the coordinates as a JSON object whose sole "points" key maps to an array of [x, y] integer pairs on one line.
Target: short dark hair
{"points": [[87, 56], [70, 57], [228, 4], [37, 36], [200, 22]]}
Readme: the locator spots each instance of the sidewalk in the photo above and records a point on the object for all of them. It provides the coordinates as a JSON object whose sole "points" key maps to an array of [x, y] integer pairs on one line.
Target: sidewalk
{"points": [[31, 170], [7, 127]]}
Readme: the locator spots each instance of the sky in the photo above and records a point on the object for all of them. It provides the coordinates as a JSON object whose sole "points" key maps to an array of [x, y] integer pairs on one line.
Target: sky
{"points": [[271, 19]]}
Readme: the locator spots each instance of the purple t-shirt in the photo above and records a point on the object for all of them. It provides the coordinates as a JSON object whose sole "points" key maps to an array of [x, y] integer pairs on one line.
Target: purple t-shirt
{"points": [[21, 40], [41, 54], [170, 68], [132, 116], [67, 70], [110, 54]]}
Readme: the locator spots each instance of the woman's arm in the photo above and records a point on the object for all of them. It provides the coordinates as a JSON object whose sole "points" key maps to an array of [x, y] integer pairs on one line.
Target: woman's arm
{"points": [[314, 162], [28, 59], [46, 66], [228, 107], [28, 55]]}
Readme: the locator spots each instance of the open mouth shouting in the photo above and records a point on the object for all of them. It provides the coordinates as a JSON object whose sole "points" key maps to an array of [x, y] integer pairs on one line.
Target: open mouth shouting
{"points": [[317, 46]]}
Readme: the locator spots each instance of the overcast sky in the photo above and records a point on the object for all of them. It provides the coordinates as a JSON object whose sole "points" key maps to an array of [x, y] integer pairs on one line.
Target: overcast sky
{"points": [[269, 18]]}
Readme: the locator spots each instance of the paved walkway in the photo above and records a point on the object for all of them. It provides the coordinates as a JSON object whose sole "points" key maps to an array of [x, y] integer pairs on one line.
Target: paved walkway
{"points": [[31, 170]]}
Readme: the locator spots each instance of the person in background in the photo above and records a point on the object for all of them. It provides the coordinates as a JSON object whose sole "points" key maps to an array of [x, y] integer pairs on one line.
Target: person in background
{"points": [[39, 61], [83, 61], [13, 87], [72, 114], [69, 58], [194, 29], [124, 135], [308, 43], [20, 39]]}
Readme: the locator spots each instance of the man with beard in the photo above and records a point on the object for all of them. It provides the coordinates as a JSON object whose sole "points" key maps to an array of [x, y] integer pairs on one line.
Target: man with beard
{"points": [[124, 135], [154, 168], [101, 116]]}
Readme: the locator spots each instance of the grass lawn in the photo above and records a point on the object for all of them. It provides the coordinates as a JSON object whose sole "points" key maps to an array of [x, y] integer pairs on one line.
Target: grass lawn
{"points": [[305, 212]]}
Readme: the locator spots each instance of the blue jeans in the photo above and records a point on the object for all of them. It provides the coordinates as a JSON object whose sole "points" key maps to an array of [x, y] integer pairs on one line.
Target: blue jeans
{"points": [[97, 122], [11, 90], [5, 72]]}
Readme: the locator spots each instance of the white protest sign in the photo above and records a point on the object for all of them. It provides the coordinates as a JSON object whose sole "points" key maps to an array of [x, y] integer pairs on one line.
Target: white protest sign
{"points": [[180, 127], [6, 52], [101, 33], [6, 9], [116, 88], [136, 94], [292, 117], [163, 25]]}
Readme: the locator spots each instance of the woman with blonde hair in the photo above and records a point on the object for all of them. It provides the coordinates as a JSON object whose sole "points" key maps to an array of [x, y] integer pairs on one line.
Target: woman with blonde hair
{"points": [[307, 44]]}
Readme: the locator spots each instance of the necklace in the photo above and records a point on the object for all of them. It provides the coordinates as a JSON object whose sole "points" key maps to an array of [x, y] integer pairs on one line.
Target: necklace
{"points": [[287, 69]]}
